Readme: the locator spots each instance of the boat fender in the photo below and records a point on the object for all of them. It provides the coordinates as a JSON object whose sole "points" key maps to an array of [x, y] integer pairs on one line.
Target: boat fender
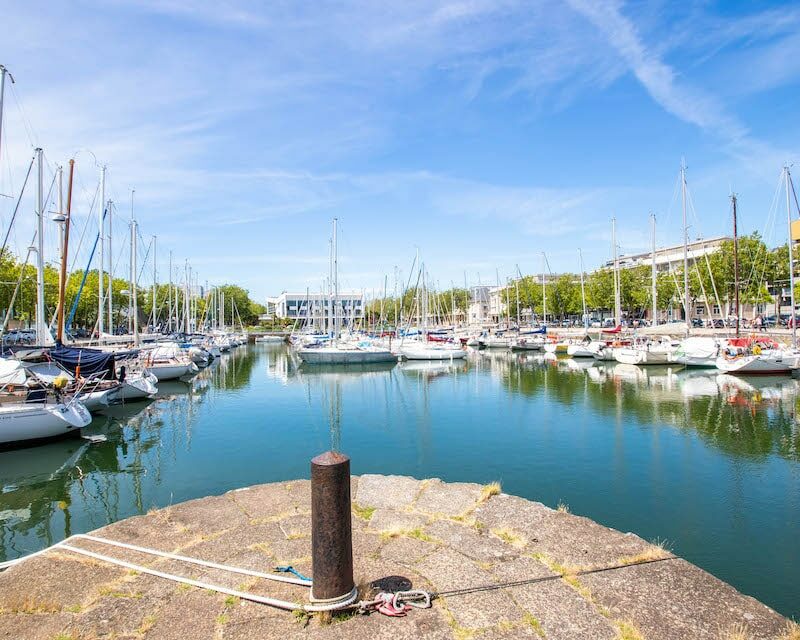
{"points": [[756, 350], [60, 382]]}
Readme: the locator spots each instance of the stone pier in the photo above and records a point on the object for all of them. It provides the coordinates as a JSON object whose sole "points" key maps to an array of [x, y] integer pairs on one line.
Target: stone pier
{"points": [[441, 536]]}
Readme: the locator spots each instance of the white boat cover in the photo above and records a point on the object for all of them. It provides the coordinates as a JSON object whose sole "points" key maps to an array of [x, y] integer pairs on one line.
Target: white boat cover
{"points": [[11, 372]]}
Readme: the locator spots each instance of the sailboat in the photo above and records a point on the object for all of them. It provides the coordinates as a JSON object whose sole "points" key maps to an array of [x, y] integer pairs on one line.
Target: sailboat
{"points": [[40, 414], [421, 347], [335, 351], [763, 355]]}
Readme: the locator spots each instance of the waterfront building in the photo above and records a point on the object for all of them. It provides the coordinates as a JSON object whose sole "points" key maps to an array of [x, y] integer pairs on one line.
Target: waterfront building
{"points": [[349, 306], [478, 311]]}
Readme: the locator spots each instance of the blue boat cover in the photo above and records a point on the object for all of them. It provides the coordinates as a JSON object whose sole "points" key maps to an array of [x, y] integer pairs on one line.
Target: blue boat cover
{"points": [[91, 361]]}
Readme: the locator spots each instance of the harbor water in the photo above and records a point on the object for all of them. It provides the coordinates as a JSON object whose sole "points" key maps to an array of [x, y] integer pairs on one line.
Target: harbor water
{"points": [[708, 463]]}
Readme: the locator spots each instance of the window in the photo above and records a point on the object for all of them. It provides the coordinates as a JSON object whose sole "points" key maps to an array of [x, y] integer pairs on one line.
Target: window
{"points": [[715, 309], [701, 310]]}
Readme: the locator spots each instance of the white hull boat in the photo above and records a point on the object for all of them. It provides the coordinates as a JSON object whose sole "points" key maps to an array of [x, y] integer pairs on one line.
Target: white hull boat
{"points": [[763, 363], [698, 352], [338, 355], [579, 351], [495, 342], [97, 400], [172, 371], [33, 421], [137, 387], [602, 352], [644, 356], [271, 339], [424, 352], [527, 344]]}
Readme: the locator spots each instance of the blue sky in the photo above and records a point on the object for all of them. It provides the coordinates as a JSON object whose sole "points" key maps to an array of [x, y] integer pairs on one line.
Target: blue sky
{"points": [[480, 132]]}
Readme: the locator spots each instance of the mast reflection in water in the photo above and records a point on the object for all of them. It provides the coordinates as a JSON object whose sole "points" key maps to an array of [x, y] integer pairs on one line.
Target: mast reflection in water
{"points": [[708, 462]]}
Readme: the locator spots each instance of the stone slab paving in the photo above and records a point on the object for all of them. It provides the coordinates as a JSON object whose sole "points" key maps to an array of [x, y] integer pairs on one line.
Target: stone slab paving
{"points": [[529, 560]]}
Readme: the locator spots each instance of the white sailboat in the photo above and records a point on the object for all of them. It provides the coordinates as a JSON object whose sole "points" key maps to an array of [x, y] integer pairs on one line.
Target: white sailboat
{"points": [[363, 352], [420, 348], [698, 351], [648, 353], [24, 421]]}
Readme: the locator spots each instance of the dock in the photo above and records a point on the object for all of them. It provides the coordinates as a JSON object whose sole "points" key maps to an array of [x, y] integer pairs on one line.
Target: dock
{"points": [[503, 567]]}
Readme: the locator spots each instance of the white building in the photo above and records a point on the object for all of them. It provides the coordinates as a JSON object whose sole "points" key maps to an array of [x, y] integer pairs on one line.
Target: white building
{"points": [[315, 307], [478, 311], [669, 259]]}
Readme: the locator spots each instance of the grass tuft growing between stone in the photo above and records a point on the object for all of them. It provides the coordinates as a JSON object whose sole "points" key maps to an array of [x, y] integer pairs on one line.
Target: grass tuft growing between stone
{"points": [[396, 532], [736, 632], [489, 490], [534, 624], [627, 631], [223, 619], [658, 550], [792, 632], [562, 507], [365, 513], [506, 534], [301, 617], [147, 623]]}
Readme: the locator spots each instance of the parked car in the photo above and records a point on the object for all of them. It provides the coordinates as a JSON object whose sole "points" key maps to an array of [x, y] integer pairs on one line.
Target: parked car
{"points": [[697, 322]]}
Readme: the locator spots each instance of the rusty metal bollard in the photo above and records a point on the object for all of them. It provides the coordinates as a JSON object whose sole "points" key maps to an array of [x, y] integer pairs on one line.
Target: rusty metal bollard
{"points": [[331, 534]]}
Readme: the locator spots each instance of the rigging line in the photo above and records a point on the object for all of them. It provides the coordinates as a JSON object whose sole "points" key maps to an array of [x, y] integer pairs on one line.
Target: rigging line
{"points": [[89, 218], [520, 583], [16, 289], [16, 208], [25, 121]]}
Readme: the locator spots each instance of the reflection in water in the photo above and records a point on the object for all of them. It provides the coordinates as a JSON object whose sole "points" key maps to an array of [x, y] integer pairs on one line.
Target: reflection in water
{"points": [[685, 456]]}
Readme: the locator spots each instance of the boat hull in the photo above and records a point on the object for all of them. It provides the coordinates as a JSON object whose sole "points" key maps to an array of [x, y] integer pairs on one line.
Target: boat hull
{"points": [[172, 371], [579, 351], [25, 422], [755, 365], [136, 388], [433, 354], [643, 357], [355, 356]]}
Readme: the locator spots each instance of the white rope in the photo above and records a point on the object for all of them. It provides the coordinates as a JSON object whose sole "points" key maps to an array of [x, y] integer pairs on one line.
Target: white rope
{"points": [[273, 602], [203, 563], [282, 604]]}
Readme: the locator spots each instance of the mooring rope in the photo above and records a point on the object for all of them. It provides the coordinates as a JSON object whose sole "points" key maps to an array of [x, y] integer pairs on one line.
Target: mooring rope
{"points": [[558, 576], [390, 604]]}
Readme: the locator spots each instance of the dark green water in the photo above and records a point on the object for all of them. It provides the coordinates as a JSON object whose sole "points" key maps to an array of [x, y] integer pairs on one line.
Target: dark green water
{"points": [[708, 462]]}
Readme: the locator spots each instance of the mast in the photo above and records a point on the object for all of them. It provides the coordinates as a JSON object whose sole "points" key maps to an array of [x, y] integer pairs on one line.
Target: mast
{"points": [[41, 327], [544, 291], [169, 296], [736, 258], [62, 274], [685, 250], [134, 276], [583, 293], [186, 296], [335, 285], [653, 280], [3, 73], [110, 273], [788, 178], [516, 287], [617, 297], [100, 233], [155, 276]]}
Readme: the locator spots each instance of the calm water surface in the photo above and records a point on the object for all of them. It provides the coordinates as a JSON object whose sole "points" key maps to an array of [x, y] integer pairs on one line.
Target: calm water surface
{"points": [[709, 463]]}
